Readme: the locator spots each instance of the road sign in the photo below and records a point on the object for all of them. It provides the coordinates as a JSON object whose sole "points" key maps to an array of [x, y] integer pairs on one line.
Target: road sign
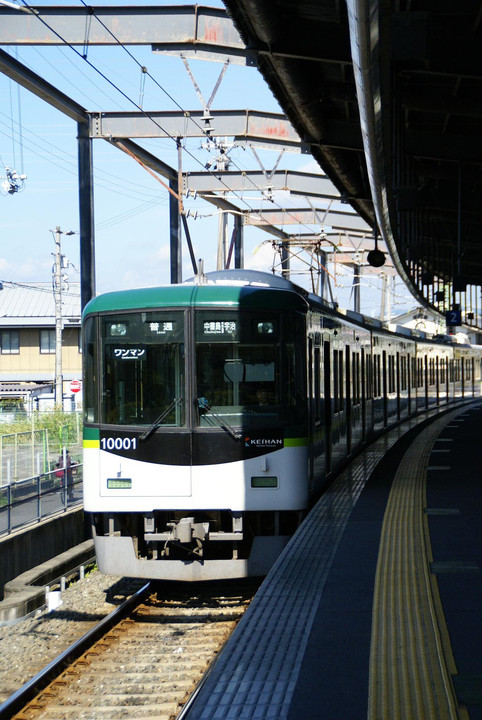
{"points": [[75, 386]]}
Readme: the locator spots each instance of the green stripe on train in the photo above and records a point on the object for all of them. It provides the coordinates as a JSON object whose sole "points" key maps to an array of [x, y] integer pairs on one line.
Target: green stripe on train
{"points": [[91, 437], [296, 442]]}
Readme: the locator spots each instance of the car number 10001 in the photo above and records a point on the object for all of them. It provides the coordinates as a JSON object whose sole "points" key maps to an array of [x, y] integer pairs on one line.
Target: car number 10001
{"points": [[118, 443]]}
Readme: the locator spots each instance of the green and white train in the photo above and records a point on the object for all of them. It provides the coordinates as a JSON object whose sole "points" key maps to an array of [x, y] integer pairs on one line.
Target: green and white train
{"points": [[216, 410]]}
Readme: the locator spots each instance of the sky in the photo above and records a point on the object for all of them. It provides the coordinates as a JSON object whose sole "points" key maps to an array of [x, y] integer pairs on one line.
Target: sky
{"points": [[130, 206]]}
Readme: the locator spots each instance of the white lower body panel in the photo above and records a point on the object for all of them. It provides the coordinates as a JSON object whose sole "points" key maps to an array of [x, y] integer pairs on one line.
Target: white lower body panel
{"points": [[223, 486], [116, 556]]}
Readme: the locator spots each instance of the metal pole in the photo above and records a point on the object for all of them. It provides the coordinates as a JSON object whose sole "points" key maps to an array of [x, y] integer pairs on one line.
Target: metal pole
{"points": [[356, 288], [189, 244], [175, 229], [222, 227], [285, 261], [57, 283], [238, 242], [384, 298], [86, 215]]}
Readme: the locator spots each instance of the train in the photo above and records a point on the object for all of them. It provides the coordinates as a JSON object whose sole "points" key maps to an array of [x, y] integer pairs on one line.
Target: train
{"points": [[216, 410]]}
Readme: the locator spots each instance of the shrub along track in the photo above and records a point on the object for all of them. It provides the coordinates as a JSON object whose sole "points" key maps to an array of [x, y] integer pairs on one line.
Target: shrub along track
{"points": [[143, 661]]}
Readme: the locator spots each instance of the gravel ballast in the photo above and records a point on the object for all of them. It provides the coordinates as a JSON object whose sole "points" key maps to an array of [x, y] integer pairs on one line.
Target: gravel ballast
{"points": [[29, 645]]}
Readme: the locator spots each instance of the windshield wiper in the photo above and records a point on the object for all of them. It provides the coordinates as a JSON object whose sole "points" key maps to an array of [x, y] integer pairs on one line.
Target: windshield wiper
{"points": [[152, 428], [203, 404]]}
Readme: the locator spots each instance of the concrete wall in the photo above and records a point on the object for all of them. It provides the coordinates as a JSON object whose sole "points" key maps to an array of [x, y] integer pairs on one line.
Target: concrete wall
{"points": [[32, 546]]}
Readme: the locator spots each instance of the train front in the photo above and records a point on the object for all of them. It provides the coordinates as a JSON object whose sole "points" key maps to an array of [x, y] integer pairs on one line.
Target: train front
{"points": [[195, 436]]}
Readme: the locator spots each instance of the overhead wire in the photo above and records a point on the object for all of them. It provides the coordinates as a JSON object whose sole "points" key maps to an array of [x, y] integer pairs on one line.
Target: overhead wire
{"points": [[63, 156], [140, 109], [142, 67], [110, 82], [39, 288], [157, 200], [69, 79]]}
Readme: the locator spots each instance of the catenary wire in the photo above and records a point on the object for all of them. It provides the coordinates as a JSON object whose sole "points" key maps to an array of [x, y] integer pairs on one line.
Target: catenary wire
{"points": [[228, 189], [152, 119]]}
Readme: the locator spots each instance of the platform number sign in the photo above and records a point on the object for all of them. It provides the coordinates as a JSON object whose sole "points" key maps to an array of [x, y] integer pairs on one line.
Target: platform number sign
{"points": [[453, 317]]}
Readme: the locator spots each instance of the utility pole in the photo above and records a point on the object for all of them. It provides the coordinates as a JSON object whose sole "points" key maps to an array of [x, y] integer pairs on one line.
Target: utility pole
{"points": [[57, 287], [222, 228], [386, 305]]}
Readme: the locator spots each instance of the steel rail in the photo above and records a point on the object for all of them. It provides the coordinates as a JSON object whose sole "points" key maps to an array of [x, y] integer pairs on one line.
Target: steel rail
{"points": [[40, 681]]}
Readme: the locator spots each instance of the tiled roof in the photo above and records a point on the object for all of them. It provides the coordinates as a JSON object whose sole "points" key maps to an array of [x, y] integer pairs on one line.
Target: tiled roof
{"points": [[23, 304]]}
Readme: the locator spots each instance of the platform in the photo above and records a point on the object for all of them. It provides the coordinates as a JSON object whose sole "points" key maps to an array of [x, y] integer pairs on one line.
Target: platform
{"points": [[374, 608]]}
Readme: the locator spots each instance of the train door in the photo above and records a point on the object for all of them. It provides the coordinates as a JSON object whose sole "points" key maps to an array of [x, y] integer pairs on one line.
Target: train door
{"points": [[319, 438], [348, 403], [363, 394], [448, 366], [311, 411], [328, 406], [409, 384], [398, 384], [369, 392], [385, 388], [425, 378], [437, 380]]}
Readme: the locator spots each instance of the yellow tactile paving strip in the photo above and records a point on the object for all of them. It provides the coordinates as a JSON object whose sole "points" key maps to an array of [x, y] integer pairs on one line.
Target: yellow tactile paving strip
{"points": [[411, 662], [257, 674]]}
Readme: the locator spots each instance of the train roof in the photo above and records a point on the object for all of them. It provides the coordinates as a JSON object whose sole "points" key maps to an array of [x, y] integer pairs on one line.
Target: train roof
{"points": [[228, 288], [240, 288]]}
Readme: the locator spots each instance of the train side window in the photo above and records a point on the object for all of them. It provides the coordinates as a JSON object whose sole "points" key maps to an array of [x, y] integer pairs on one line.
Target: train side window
{"points": [[368, 376], [391, 374], [356, 378], [348, 375], [90, 362], [336, 400], [420, 373], [403, 373], [457, 370], [377, 376], [317, 373], [340, 378]]}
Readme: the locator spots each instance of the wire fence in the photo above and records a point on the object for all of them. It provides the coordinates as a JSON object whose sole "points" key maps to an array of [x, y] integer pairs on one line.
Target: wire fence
{"points": [[35, 498], [35, 452], [41, 471]]}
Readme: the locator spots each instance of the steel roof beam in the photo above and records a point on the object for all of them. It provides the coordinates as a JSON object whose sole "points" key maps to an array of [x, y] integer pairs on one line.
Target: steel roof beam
{"points": [[288, 216], [206, 27], [267, 128], [298, 183], [195, 31]]}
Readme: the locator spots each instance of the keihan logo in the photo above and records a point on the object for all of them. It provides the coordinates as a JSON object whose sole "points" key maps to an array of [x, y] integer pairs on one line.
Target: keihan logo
{"points": [[263, 442]]}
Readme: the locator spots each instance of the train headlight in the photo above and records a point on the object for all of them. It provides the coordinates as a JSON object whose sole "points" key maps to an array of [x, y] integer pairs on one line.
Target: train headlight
{"points": [[117, 329], [265, 328]]}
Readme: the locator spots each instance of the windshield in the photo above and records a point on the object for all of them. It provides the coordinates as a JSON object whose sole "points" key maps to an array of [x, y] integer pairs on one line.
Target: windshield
{"points": [[143, 357], [247, 369]]}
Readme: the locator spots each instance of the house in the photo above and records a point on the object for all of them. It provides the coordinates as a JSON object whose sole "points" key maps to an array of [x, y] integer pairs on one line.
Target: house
{"points": [[27, 346], [426, 321]]}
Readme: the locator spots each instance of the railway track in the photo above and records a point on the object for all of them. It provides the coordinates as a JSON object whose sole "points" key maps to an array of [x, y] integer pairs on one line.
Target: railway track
{"points": [[143, 661]]}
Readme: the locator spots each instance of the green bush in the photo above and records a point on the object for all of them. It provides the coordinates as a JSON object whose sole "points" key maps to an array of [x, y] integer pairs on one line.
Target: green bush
{"points": [[66, 427]]}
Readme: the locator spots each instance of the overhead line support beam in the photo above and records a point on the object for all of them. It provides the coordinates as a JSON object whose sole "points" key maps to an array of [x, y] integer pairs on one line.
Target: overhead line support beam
{"points": [[244, 125]]}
